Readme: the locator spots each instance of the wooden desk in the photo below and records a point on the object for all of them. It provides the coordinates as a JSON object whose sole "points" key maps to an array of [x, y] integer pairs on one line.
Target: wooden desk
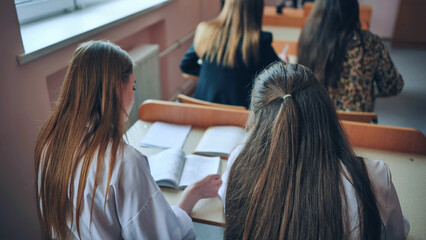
{"points": [[408, 174], [409, 177], [290, 17]]}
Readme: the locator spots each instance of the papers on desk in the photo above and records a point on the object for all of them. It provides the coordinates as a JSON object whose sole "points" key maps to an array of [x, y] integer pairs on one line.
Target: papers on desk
{"points": [[216, 140], [165, 135], [220, 141]]}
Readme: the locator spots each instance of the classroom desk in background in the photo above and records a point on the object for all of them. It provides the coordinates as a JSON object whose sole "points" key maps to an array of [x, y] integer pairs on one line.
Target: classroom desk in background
{"points": [[294, 17], [290, 17], [408, 175]]}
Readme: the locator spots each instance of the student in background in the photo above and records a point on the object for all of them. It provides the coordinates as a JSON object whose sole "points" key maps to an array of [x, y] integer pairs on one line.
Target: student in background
{"points": [[91, 184], [297, 177], [354, 65], [228, 51]]}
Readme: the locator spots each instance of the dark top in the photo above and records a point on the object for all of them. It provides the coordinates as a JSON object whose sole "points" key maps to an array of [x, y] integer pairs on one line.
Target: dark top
{"points": [[226, 85]]}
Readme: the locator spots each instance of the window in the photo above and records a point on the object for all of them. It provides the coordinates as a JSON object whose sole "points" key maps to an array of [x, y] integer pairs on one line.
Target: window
{"points": [[50, 34], [32, 10]]}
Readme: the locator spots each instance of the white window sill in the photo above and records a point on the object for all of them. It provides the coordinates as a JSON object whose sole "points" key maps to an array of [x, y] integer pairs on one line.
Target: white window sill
{"points": [[45, 36]]}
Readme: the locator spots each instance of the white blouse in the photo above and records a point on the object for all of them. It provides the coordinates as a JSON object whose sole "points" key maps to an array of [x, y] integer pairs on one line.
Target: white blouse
{"points": [[396, 225], [135, 207]]}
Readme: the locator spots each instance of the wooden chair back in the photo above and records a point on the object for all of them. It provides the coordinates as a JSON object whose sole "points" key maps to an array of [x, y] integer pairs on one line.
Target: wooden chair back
{"points": [[187, 99], [202, 116], [386, 138], [363, 135], [365, 117]]}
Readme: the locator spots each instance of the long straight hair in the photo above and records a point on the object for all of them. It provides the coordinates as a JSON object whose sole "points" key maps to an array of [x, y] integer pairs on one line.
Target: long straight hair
{"points": [[325, 36], [85, 122], [238, 25], [286, 182]]}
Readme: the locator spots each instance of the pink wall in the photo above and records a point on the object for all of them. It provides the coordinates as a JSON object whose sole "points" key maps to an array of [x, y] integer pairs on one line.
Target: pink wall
{"points": [[27, 92]]}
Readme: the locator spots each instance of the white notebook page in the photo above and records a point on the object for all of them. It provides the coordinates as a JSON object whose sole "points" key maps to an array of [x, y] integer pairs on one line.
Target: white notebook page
{"points": [[197, 167], [165, 135], [220, 140]]}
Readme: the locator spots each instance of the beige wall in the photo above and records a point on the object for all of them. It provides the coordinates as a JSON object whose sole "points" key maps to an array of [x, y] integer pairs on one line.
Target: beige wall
{"points": [[27, 92]]}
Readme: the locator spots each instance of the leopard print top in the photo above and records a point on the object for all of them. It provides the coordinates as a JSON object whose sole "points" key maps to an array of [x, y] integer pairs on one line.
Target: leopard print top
{"points": [[367, 73]]}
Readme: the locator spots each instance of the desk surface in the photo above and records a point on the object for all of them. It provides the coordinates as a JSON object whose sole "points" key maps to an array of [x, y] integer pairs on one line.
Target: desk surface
{"points": [[408, 175]]}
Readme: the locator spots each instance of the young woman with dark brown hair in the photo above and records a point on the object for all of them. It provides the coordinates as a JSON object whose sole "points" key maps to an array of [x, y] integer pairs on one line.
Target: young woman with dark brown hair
{"points": [[91, 184], [297, 177], [232, 49], [354, 65]]}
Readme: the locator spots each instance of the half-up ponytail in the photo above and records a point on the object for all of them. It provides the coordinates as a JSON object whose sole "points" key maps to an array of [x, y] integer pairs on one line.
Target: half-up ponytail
{"points": [[269, 186], [286, 181]]}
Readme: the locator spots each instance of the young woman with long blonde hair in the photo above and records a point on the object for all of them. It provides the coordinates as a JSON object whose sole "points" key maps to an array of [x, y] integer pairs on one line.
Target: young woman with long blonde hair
{"points": [[297, 177], [91, 184], [232, 49]]}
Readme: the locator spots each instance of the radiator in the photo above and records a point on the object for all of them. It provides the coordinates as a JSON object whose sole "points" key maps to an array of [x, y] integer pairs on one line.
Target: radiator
{"points": [[147, 74]]}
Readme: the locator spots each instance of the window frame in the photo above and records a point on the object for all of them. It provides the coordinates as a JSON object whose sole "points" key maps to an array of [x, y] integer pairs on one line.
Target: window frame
{"points": [[43, 37], [33, 10], [30, 11]]}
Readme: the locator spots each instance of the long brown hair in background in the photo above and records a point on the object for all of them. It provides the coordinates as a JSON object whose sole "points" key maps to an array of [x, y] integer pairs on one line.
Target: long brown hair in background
{"points": [[86, 121], [286, 182], [238, 25], [322, 44]]}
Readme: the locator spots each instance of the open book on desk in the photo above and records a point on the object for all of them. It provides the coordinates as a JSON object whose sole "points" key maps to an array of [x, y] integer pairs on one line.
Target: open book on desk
{"points": [[171, 168], [220, 140]]}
